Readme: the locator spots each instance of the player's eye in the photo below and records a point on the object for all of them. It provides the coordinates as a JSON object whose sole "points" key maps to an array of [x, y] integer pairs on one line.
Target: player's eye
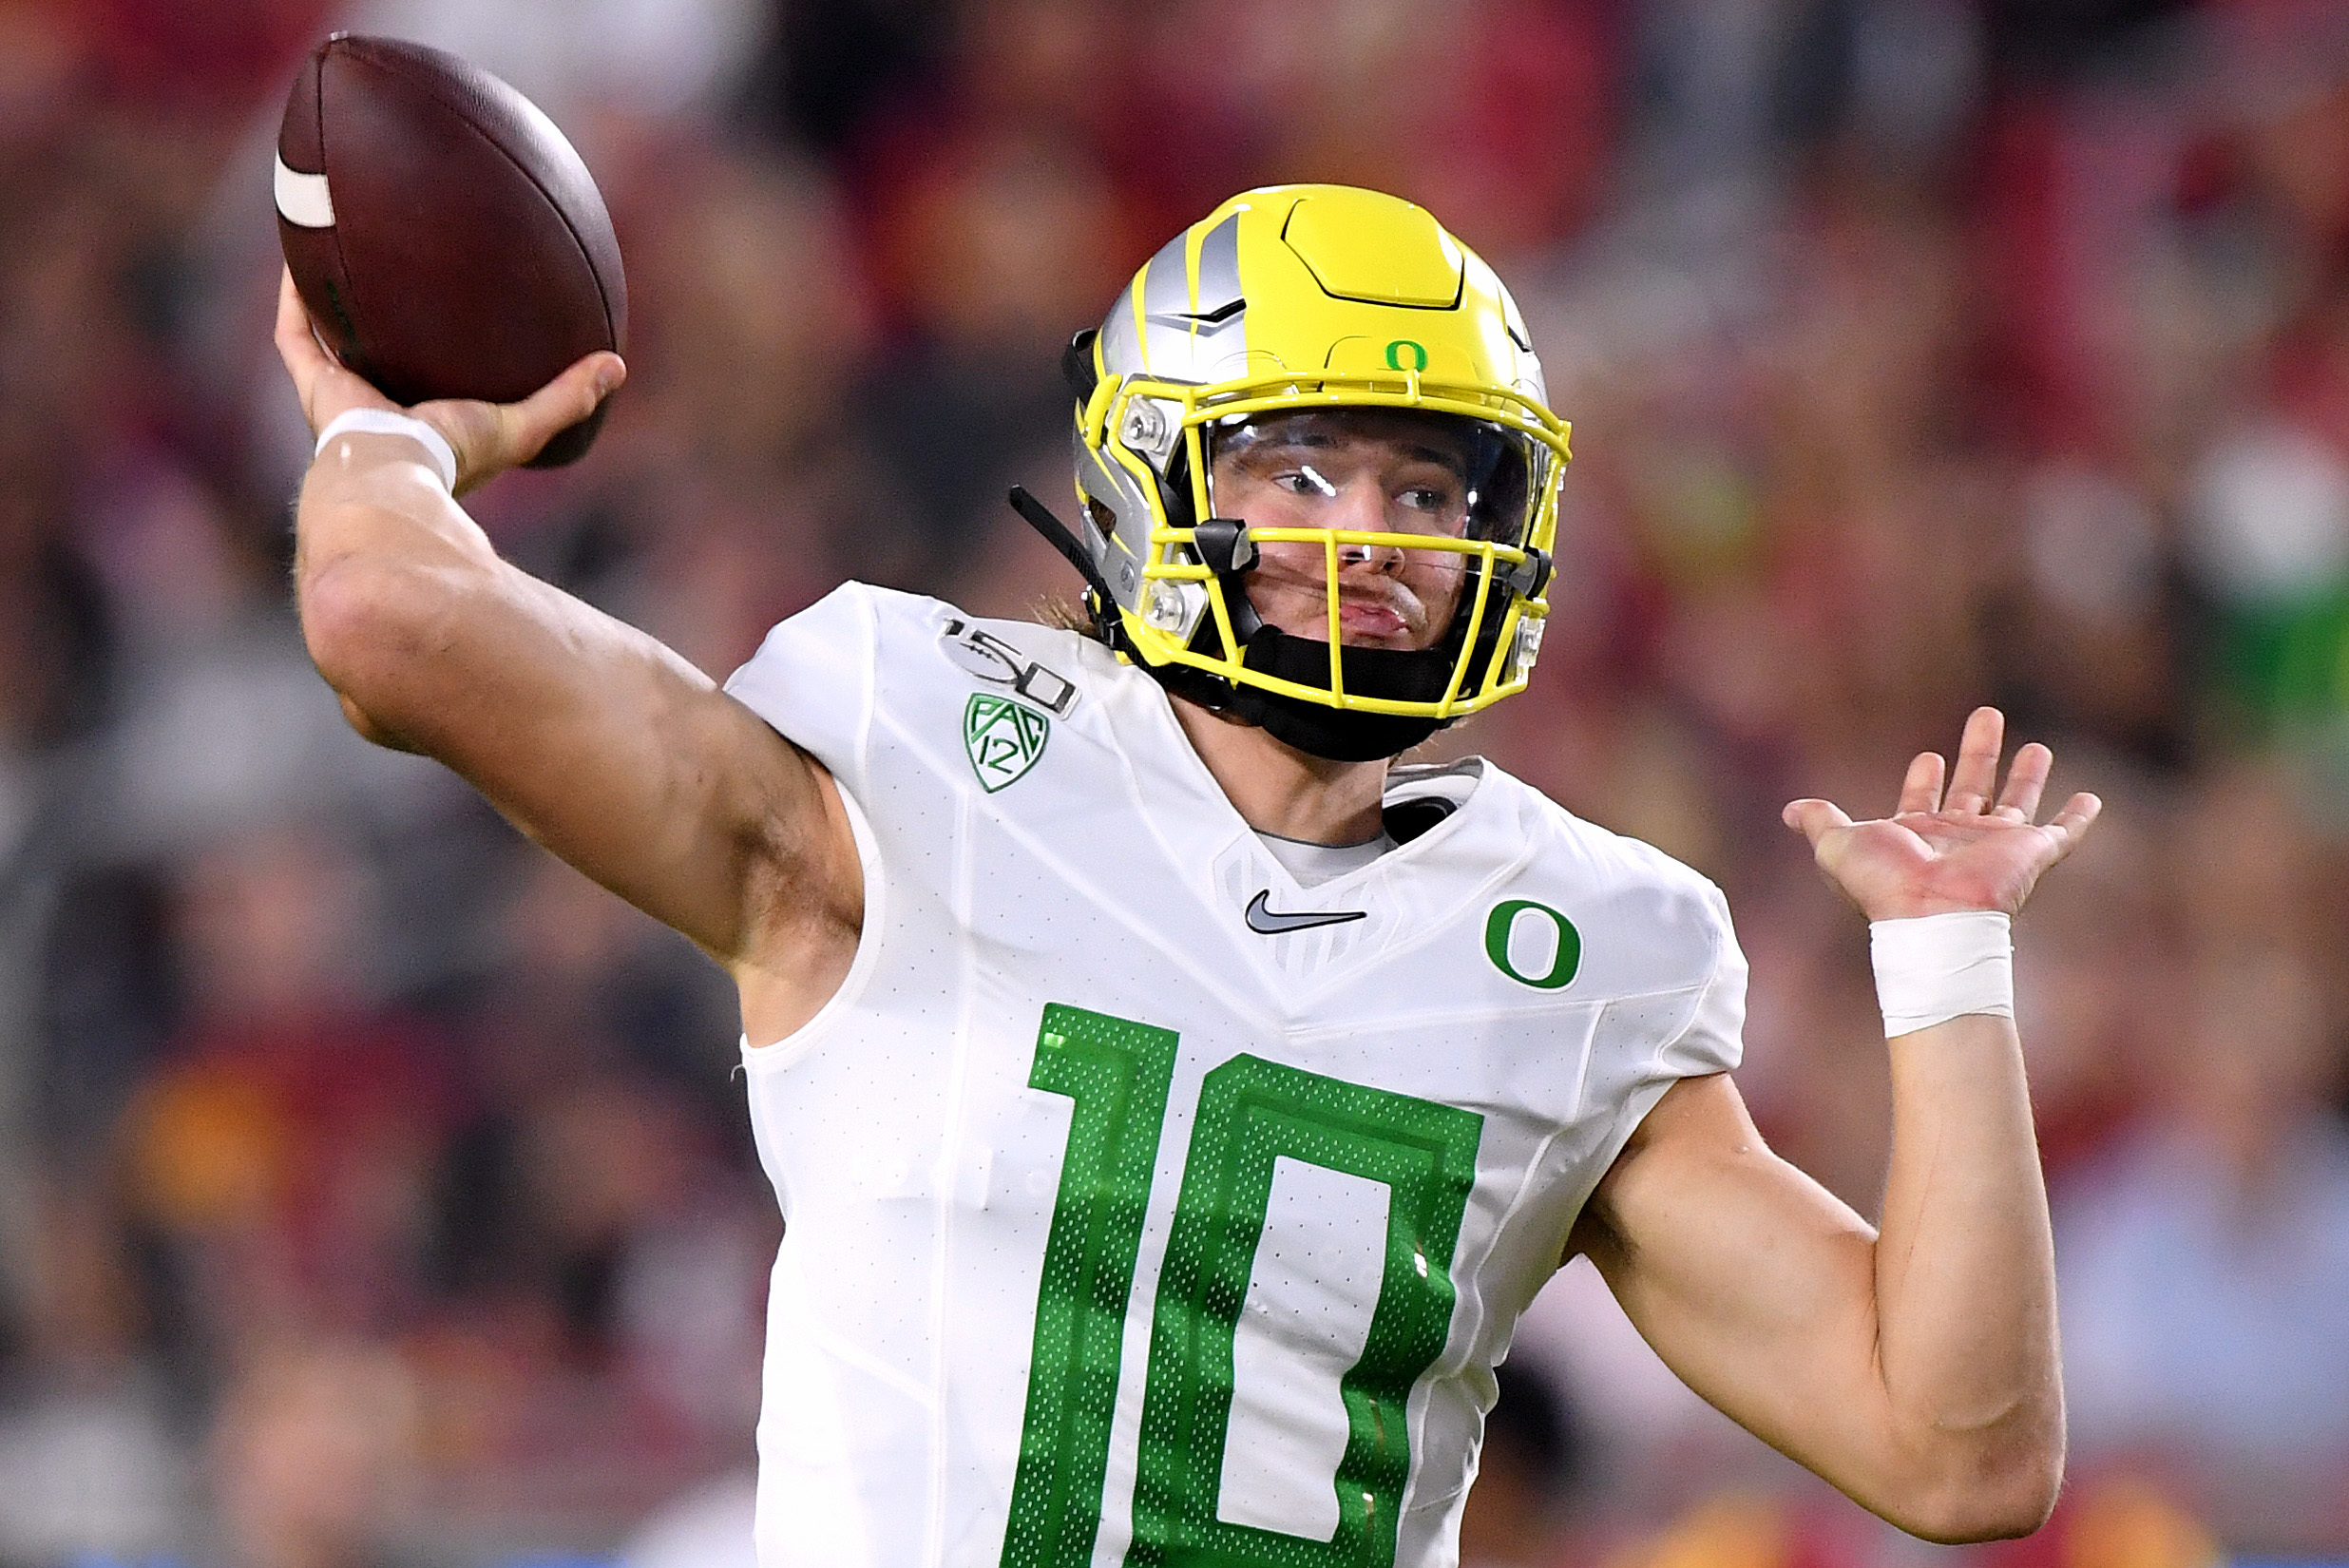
{"points": [[1434, 500]]}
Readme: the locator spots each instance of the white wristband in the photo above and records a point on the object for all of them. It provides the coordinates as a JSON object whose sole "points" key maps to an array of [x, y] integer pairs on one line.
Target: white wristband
{"points": [[1935, 968], [384, 422]]}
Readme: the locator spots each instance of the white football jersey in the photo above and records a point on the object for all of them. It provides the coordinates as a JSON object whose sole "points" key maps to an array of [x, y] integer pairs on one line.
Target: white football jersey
{"points": [[1143, 1207]]}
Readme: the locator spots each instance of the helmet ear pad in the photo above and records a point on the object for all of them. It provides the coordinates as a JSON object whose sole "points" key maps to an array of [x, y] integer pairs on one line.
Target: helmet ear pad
{"points": [[1076, 367], [1118, 511]]}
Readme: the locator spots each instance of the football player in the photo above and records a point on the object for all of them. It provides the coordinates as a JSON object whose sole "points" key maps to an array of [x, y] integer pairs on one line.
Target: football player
{"points": [[1173, 1098]]}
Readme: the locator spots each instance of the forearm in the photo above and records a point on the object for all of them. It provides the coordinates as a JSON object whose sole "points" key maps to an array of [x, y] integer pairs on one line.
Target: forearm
{"points": [[1914, 1365], [425, 632], [589, 735], [1965, 1271], [1900, 1366], [374, 503]]}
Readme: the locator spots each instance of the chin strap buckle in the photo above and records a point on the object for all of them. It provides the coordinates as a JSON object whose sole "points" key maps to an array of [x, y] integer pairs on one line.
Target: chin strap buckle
{"points": [[1224, 546], [1530, 576]]}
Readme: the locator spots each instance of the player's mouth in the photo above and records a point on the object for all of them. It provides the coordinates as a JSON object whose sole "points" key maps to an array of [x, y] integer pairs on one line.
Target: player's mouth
{"points": [[1372, 618], [1373, 612]]}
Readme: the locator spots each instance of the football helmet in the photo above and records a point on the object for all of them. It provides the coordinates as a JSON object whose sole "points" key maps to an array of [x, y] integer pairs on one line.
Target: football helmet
{"points": [[1287, 301]]}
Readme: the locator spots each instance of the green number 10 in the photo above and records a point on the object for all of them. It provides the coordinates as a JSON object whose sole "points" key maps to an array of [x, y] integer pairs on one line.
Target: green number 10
{"points": [[1251, 1113]]}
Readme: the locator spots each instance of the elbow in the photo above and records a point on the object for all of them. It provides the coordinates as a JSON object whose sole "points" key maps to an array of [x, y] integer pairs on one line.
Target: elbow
{"points": [[362, 624], [347, 613], [1994, 1493], [1991, 1511]]}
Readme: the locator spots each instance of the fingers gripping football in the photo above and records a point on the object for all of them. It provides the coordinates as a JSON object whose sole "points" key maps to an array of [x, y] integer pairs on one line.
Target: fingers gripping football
{"points": [[323, 386], [488, 438], [1957, 839], [491, 437]]}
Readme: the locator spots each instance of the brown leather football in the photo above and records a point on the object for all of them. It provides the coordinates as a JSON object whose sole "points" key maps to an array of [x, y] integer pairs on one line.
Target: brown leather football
{"points": [[447, 239]]}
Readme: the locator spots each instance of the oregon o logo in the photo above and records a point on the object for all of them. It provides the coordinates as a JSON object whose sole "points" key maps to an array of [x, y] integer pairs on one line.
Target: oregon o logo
{"points": [[1531, 930], [1395, 350]]}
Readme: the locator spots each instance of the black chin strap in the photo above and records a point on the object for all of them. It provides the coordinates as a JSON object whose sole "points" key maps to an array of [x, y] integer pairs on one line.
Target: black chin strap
{"points": [[1057, 534]]}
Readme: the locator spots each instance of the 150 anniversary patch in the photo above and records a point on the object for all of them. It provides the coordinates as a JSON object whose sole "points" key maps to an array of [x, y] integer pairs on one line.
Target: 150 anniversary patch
{"points": [[991, 658]]}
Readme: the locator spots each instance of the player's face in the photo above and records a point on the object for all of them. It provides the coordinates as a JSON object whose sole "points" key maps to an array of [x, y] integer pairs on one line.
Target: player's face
{"points": [[1357, 470]]}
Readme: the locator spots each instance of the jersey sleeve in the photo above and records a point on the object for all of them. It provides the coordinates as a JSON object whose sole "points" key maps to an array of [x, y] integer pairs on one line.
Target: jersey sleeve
{"points": [[814, 679], [1713, 1040], [1710, 1038]]}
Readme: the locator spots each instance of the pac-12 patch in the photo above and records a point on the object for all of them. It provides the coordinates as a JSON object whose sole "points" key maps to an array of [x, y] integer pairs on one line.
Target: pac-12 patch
{"points": [[1002, 738]]}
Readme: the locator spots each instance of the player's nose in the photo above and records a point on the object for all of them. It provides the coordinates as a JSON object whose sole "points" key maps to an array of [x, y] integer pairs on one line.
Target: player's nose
{"points": [[1360, 507]]}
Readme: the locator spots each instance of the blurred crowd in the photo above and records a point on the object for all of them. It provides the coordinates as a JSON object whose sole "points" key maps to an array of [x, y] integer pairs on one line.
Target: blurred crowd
{"points": [[375, 1191]]}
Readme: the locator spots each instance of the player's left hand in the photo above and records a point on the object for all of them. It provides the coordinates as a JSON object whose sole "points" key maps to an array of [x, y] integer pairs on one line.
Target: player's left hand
{"points": [[1959, 851]]}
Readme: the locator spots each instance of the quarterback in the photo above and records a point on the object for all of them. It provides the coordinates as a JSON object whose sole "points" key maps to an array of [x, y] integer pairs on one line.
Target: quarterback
{"points": [[1173, 1098]]}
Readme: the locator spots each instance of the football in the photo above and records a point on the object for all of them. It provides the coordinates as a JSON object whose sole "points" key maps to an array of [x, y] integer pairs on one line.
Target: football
{"points": [[447, 238]]}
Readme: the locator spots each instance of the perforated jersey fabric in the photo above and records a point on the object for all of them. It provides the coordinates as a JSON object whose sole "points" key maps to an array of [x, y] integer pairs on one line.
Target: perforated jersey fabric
{"points": [[1143, 1206]]}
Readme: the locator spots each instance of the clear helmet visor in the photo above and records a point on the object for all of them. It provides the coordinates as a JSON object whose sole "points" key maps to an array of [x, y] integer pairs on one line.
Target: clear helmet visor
{"points": [[1368, 519]]}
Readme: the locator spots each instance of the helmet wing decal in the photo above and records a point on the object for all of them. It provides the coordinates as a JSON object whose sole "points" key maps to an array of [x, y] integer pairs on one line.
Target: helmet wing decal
{"points": [[1191, 304], [1166, 302], [1218, 290]]}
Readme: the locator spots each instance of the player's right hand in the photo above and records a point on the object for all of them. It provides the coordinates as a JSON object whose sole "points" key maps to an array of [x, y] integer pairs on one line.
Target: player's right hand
{"points": [[488, 438]]}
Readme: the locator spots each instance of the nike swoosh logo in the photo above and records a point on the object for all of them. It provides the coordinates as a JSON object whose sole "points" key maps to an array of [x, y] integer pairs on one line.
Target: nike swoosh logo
{"points": [[1266, 922]]}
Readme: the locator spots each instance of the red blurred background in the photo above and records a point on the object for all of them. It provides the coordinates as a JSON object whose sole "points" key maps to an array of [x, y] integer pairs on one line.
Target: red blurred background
{"points": [[375, 1191]]}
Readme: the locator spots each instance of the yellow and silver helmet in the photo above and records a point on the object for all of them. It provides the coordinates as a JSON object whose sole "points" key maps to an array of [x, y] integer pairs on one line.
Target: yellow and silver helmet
{"points": [[1301, 299]]}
